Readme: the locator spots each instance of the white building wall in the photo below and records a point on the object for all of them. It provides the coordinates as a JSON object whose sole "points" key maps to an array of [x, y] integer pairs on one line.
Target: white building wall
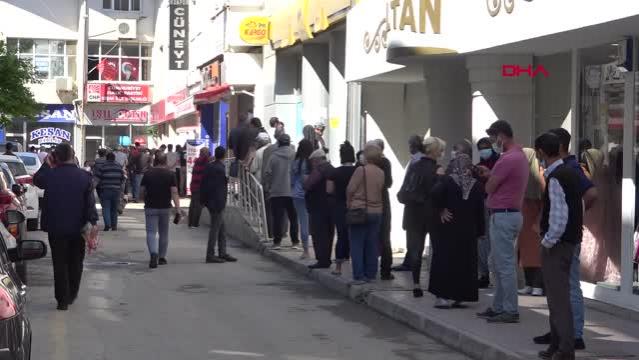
{"points": [[552, 93], [50, 19]]}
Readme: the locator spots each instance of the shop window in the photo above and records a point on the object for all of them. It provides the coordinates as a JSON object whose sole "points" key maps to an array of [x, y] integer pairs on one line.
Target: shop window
{"points": [[49, 57], [119, 61], [121, 5]]}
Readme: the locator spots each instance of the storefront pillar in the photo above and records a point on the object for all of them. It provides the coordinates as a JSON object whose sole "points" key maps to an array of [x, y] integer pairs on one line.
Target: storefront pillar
{"points": [[315, 87], [354, 121], [338, 94], [628, 185]]}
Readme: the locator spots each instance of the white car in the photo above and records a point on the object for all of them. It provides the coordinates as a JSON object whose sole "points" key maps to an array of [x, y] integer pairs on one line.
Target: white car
{"points": [[20, 173], [31, 161]]}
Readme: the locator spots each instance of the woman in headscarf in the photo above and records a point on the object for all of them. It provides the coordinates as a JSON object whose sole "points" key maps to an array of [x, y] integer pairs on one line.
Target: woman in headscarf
{"points": [[453, 272], [529, 237], [309, 134]]}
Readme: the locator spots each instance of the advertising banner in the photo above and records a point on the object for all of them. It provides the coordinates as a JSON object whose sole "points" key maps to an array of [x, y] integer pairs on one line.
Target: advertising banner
{"points": [[119, 93], [117, 114], [57, 113], [193, 148], [179, 35], [49, 135]]}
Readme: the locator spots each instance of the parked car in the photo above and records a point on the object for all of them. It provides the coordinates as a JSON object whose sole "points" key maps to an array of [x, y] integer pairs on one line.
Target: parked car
{"points": [[31, 161], [16, 147], [15, 328], [21, 175]]}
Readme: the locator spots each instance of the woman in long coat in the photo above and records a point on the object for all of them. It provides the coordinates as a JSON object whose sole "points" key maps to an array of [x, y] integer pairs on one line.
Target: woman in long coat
{"points": [[453, 272]]}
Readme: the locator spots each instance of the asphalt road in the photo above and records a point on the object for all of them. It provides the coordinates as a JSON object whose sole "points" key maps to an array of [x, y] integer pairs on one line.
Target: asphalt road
{"points": [[253, 309]]}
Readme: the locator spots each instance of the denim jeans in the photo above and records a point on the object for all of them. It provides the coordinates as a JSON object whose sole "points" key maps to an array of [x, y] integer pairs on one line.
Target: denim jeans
{"points": [[217, 235], [576, 296], [110, 200], [157, 223], [342, 248], [504, 229], [302, 218], [365, 247], [135, 186]]}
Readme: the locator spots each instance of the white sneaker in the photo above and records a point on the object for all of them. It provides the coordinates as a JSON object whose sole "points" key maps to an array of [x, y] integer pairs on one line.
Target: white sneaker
{"points": [[276, 247], [537, 292], [525, 291], [442, 303]]}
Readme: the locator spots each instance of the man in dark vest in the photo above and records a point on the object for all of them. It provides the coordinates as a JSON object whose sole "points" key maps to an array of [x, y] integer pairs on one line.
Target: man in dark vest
{"points": [[561, 230]]}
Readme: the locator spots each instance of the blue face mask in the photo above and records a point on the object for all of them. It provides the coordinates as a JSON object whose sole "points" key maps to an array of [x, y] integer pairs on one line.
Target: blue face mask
{"points": [[485, 154]]}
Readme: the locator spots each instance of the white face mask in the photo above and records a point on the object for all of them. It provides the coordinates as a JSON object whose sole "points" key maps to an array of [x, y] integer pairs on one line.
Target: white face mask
{"points": [[453, 154], [499, 148]]}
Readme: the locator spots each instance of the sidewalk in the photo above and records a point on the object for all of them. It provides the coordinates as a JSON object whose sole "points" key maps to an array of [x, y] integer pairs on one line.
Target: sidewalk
{"points": [[606, 336]]}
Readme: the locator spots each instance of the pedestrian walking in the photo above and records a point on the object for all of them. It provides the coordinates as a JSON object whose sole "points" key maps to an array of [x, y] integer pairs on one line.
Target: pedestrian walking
{"points": [[181, 169], [453, 271], [365, 202], [337, 184], [213, 193], [277, 182], [320, 209], [120, 156], [299, 171], [561, 228], [158, 188], [386, 251], [529, 238], [199, 166], [139, 160], [505, 186], [110, 179], [69, 205], [173, 163], [419, 214]]}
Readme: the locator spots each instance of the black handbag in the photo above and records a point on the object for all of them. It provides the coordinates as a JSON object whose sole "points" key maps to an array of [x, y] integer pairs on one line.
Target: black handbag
{"points": [[359, 216]]}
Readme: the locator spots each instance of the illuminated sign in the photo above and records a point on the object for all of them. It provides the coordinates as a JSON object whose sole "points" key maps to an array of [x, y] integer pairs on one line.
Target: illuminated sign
{"points": [[254, 30], [50, 135]]}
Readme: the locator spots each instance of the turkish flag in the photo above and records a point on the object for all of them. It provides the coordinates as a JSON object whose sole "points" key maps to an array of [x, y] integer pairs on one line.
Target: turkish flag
{"points": [[108, 68], [129, 68]]}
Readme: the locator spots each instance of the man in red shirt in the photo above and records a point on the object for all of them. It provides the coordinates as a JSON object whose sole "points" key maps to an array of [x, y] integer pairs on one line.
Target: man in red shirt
{"points": [[195, 208]]}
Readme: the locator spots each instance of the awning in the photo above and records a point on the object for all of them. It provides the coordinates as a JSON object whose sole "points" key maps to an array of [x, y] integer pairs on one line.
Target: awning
{"points": [[211, 95]]}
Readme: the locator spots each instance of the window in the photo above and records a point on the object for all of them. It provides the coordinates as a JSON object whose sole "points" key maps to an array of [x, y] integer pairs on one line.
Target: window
{"points": [[121, 5], [50, 58], [119, 61], [17, 169]]}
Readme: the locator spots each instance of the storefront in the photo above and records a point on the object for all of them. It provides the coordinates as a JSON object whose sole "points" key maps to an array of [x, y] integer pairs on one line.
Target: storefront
{"points": [[212, 102], [55, 124]]}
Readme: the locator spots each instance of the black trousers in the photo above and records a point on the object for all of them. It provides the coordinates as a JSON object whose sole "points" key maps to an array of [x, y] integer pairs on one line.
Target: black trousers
{"points": [[195, 209], [322, 226], [67, 253], [386, 252], [534, 277], [280, 206], [415, 241]]}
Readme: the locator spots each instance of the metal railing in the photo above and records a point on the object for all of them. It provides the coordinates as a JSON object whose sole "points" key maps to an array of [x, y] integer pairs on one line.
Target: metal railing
{"points": [[247, 194]]}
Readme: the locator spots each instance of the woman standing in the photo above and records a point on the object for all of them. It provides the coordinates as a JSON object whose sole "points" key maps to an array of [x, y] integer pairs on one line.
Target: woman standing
{"points": [[337, 184], [320, 209], [453, 273], [309, 134], [364, 192], [299, 171], [529, 238]]}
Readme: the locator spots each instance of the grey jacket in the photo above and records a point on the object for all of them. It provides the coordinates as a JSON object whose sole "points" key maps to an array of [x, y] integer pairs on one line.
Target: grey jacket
{"points": [[277, 180]]}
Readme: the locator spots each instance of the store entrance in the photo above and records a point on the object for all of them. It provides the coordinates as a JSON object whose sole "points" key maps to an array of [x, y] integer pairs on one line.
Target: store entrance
{"points": [[91, 146]]}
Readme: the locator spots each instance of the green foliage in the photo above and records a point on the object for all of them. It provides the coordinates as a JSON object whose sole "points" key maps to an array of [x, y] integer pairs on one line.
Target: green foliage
{"points": [[16, 99]]}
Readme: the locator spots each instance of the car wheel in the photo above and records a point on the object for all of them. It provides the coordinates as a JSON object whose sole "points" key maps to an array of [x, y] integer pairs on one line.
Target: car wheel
{"points": [[32, 224]]}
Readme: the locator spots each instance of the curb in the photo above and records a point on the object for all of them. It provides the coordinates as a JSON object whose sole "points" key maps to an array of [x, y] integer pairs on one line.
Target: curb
{"points": [[469, 344]]}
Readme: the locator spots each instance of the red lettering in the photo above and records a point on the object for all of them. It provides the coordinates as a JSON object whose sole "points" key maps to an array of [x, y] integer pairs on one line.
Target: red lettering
{"points": [[516, 71], [510, 70], [541, 69]]}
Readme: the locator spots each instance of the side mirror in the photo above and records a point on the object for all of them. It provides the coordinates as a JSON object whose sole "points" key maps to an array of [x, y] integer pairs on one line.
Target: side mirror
{"points": [[17, 189], [28, 250], [15, 217]]}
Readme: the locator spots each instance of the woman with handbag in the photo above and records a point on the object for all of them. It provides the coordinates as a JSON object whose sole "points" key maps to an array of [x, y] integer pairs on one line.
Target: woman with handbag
{"points": [[364, 198]]}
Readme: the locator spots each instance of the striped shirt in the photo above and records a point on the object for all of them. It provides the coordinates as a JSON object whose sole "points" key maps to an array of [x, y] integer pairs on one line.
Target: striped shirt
{"points": [[198, 172], [109, 175]]}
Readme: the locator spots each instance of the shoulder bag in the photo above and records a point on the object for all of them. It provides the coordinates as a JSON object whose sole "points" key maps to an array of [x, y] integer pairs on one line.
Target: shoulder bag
{"points": [[359, 216]]}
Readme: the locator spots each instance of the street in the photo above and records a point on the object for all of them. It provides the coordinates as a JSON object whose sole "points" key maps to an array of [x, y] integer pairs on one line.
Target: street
{"points": [[192, 310]]}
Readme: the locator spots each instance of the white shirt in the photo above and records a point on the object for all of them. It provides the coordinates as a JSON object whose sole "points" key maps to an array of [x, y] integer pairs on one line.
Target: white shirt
{"points": [[558, 216], [121, 158], [172, 160]]}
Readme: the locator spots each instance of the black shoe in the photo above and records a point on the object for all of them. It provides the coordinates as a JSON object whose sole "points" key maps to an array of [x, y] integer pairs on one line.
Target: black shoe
{"points": [[563, 356], [162, 261], [487, 314], [228, 258], [400, 268], [214, 260], [580, 344], [115, 228], [106, 228], [417, 292], [62, 307], [154, 261], [387, 277], [484, 282], [319, 266], [548, 353], [543, 339]]}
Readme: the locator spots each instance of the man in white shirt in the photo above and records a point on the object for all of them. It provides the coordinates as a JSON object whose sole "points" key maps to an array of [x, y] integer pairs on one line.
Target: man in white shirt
{"points": [[120, 157]]}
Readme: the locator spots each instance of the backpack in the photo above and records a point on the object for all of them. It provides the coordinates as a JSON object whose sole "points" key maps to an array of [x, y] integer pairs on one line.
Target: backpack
{"points": [[418, 182]]}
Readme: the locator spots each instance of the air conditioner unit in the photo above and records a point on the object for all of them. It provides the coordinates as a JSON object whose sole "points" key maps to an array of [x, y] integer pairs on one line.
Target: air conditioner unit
{"points": [[63, 83], [126, 28]]}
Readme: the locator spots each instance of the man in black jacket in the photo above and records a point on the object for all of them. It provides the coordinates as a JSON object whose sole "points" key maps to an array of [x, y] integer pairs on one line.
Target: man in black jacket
{"points": [[561, 230], [385, 237], [213, 193], [69, 206], [110, 179]]}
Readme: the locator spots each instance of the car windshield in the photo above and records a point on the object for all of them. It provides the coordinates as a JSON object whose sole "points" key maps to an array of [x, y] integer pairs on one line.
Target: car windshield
{"points": [[28, 160], [4, 182], [17, 169]]}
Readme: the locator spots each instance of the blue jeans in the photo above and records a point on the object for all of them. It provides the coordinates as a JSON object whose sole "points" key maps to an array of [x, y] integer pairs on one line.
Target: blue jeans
{"points": [[302, 218], [342, 248], [504, 229], [157, 221], [576, 296], [135, 186], [365, 247], [110, 200]]}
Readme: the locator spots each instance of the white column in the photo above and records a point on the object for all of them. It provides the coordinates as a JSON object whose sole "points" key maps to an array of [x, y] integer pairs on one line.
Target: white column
{"points": [[354, 118], [338, 95], [315, 86], [575, 103]]}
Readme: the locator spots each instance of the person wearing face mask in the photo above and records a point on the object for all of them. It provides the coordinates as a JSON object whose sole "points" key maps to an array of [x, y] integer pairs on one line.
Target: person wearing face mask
{"points": [[462, 147], [505, 185], [487, 155]]}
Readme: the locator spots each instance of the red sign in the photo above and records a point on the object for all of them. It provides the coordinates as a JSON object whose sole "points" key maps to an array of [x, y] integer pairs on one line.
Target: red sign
{"points": [[516, 71], [120, 115], [118, 93]]}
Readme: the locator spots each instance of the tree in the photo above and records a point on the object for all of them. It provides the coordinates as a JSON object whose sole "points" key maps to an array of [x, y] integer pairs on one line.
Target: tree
{"points": [[16, 99]]}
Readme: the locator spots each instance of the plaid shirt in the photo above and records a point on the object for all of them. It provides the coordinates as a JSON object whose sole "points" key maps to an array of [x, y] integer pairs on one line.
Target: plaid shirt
{"points": [[558, 217]]}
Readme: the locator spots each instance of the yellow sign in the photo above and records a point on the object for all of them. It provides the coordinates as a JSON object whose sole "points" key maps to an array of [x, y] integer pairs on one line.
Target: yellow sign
{"points": [[254, 30]]}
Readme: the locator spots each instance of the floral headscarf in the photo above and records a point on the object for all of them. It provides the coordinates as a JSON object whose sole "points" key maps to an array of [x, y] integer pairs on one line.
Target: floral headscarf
{"points": [[459, 169]]}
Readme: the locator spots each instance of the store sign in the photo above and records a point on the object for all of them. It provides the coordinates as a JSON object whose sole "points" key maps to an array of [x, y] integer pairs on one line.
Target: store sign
{"points": [[57, 113], [494, 6], [254, 30], [120, 115], [517, 71], [49, 135], [118, 93], [179, 104], [211, 74], [179, 35]]}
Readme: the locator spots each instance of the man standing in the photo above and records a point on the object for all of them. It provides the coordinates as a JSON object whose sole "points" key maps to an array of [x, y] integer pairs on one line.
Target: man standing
{"points": [[386, 251], [561, 230], [138, 165], [9, 149], [42, 155], [110, 180], [195, 208], [158, 188], [278, 126], [121, 157], [588, 193], [69, 205], [505, 186], [277, 182], [213, 194]]}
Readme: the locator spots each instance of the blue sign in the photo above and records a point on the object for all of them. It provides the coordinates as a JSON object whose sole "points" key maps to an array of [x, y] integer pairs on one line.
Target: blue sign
{"points": [[3, 135], [57, 113], [124, 141], [50, 135]]}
